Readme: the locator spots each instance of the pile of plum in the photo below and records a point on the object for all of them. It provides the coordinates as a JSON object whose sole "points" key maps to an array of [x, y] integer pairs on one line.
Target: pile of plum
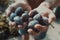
{"points": [[22, 17]]}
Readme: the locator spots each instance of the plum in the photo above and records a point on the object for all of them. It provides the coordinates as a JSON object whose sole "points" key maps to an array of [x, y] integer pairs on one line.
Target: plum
{"points": [[45, 21], [18, 20], [12, 16], [45, 18], [25, 17], [32, 24], [19, 11], [37, 17]]}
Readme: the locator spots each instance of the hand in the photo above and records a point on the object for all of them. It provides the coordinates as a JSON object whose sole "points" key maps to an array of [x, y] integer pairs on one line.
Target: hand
{"points": [[45, 12], [12, 8]]}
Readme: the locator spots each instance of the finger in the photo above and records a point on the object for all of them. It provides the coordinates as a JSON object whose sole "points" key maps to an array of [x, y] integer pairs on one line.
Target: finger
{"points": [[32, 13], [20, 27], [9, 9], [38, 27]]}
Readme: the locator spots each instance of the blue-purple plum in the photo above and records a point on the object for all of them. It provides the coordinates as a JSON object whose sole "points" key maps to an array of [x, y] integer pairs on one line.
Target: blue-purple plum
{"points": [[25, 17], [19, 11], [12, 16], [45, 21], [37, 17], [45, 18], [18, 20], [32, 24]]}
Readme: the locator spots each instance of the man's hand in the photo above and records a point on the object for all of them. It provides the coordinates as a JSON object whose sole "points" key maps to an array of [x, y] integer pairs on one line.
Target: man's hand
{"points": [[12, 8], [45, 12]]}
